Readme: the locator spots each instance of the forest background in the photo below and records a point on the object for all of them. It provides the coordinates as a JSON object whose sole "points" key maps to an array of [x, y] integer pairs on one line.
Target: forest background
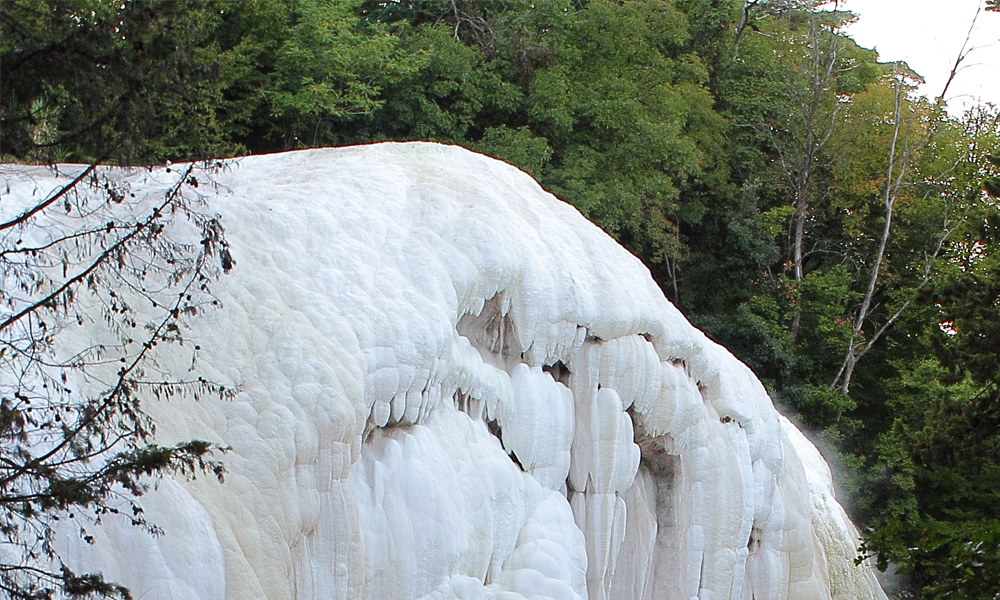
{"points": [[789, 192]]}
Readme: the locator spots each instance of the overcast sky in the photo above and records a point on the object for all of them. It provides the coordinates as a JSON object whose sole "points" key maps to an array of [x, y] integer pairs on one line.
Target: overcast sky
{"points": [[928, 35]]}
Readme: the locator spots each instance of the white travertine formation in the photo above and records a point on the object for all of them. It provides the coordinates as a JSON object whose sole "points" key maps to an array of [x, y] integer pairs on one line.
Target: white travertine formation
{"points": [[454, 386]]}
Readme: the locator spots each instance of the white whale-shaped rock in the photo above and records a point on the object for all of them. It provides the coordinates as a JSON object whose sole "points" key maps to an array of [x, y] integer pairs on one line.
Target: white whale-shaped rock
{"points": [[454, 386]]}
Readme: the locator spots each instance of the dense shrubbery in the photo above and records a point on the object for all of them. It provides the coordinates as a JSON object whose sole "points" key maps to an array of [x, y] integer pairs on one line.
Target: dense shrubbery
{"points": [[784, 187]]}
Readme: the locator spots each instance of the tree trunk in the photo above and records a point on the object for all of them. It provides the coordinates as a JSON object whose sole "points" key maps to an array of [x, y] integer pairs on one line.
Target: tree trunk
{"points": [[801, 210], [842, 382]]}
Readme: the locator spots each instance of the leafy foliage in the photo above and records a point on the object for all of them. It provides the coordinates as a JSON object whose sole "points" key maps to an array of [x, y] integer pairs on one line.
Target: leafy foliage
{"points": [[82, 77]]}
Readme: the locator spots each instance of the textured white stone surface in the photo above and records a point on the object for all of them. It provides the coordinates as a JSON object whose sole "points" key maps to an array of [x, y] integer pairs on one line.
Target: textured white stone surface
{"points": [[454, 386]]}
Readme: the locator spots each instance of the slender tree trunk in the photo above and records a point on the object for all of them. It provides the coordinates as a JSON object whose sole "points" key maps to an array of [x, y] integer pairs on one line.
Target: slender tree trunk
{"points": [[801, 210], [742, 27], [855, 352], [672, 271], [892, 181], [801, 203], [898, 162], [822, 72]]}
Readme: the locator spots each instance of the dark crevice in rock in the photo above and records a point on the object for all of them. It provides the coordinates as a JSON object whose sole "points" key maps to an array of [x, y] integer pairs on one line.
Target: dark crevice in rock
{"points": [[559, 372], [493, 330]]}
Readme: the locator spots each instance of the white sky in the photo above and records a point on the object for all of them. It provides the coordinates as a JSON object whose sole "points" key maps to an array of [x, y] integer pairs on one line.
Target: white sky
{"points": [[928, 35]]}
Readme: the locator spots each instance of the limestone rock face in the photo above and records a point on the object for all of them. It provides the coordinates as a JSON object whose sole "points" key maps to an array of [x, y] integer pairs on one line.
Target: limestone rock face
{"points": [[452, 385]]}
